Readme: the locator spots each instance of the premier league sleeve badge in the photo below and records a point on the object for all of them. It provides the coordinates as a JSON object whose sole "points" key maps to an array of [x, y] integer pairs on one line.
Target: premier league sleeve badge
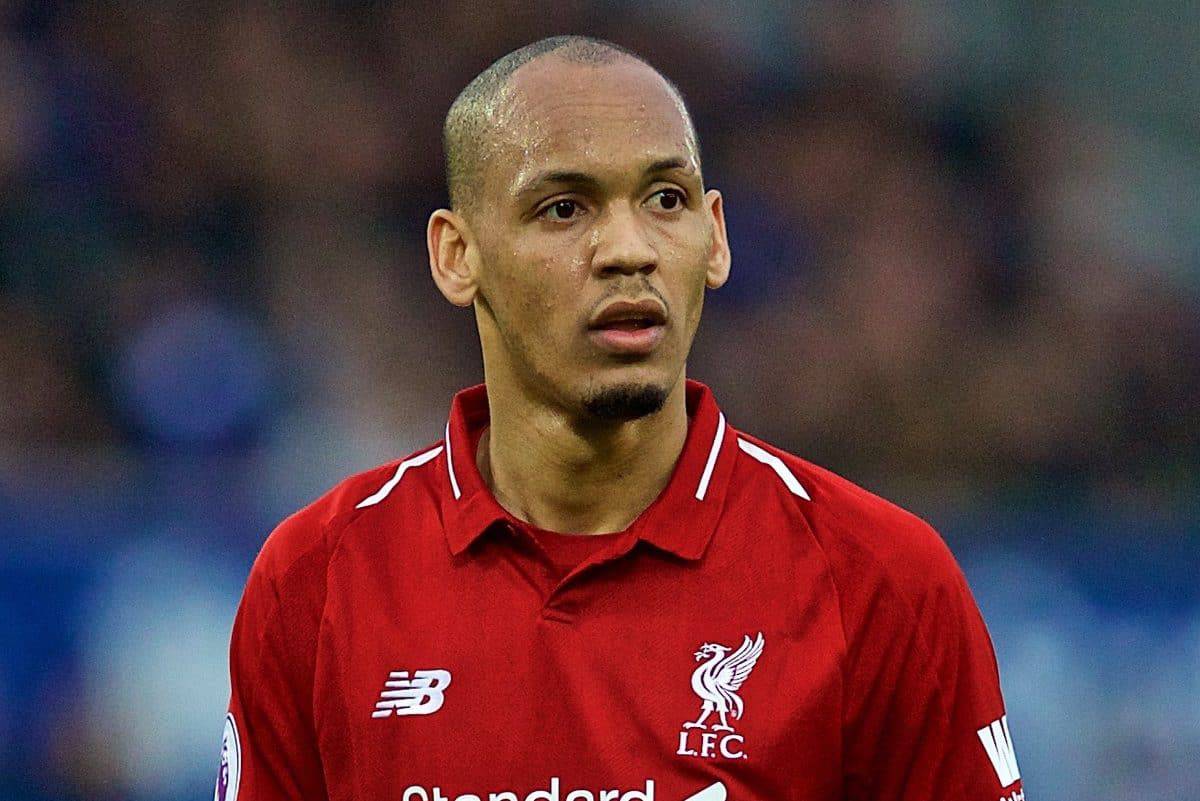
{"points": [[230, 772]]}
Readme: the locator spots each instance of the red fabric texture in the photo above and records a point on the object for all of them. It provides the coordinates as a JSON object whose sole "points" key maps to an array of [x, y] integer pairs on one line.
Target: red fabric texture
{"points": [[568, 551]]}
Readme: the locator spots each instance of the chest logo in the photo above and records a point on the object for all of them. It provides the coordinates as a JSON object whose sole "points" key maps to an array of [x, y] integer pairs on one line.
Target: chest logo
{"points": [[422, 693], [716, 682]]}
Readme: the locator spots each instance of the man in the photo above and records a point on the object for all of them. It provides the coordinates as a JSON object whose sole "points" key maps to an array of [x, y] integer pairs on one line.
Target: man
{"points": [[595, 588]]}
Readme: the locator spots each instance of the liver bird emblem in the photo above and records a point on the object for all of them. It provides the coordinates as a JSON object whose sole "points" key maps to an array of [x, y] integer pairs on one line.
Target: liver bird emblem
{"points": [[720, 677]]}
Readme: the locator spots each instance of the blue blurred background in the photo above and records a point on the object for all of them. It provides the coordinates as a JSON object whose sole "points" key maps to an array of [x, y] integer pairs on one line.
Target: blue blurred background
{"points": [[966, 275]]}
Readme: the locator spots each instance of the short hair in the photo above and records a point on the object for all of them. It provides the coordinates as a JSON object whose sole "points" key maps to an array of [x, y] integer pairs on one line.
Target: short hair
{"points": [[468, 122]]}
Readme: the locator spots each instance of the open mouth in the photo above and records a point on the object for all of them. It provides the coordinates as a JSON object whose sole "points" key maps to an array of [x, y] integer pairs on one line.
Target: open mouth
{"points": [[628, 324], [629, 327], [625, 315]]}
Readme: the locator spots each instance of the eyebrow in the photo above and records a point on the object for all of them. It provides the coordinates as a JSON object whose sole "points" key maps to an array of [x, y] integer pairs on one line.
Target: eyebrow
{"points": [[588, 180]]}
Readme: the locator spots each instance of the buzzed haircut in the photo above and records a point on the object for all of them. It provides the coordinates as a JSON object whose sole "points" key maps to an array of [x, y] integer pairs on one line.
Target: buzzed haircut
{"points": [[467, 125]]}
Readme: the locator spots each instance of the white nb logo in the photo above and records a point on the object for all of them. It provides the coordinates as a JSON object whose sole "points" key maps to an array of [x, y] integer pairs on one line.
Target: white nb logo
{"points": [[421, 694]]}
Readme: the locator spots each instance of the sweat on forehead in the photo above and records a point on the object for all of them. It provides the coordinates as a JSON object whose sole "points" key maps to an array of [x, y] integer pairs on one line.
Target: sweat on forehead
{"points": [[473, 128]]}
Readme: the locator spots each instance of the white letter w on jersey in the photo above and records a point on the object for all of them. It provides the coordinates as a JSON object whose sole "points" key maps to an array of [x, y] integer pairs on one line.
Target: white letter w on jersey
{"points": [[998, 744], [423, 694]]}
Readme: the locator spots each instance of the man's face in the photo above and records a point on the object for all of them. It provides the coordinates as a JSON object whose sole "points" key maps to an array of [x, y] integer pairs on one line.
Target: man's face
{"points": [[596, 237]]}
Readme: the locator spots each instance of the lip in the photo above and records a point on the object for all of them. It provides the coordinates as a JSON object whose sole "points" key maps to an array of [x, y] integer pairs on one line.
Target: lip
{"points": [[645, 327], [649, 309]]}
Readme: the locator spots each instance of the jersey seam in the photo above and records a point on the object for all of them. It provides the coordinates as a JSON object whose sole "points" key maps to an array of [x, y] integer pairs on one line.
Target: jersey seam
{"points": [[925, 650], [272, 622], [810, 531], [336, 532], [845, 639]]}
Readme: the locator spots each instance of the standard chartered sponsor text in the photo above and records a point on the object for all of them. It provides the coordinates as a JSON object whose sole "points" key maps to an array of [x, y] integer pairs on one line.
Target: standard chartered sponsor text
{"points": [[553, 793]]}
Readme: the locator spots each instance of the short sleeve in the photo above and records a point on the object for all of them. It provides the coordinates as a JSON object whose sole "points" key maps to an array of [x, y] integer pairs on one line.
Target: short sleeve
{"points": [[269, 750], [925, 719]]}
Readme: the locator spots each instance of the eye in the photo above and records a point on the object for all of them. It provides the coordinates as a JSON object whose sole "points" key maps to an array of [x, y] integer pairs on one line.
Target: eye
{"points": [[669, 199], [561, 210]]}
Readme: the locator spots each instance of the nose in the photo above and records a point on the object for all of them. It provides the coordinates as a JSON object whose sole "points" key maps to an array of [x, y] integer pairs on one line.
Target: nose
{"points": [[622, 245]]}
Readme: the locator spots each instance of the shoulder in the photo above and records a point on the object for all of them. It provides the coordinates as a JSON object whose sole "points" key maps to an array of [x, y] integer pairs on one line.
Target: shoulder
{"points": [[866, 539], [311, 534], [897, 587], [283, 603]]}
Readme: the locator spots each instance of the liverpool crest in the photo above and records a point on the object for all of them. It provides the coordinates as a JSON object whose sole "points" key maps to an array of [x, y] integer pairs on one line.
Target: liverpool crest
{"points": [[717, 681]]}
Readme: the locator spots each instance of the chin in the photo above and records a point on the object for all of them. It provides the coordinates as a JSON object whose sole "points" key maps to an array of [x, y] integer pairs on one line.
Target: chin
{"points": [[626, 400]]}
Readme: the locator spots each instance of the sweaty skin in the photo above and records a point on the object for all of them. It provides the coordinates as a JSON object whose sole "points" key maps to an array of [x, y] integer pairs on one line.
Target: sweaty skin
{"points": [[591, 193]]}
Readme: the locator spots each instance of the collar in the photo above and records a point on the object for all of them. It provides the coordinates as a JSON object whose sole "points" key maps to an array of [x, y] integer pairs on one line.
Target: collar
{"points": [[681, 520]]}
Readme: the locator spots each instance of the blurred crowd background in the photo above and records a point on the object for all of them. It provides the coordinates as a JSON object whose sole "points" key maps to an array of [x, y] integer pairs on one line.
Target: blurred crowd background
{"points": [[966, 244]]}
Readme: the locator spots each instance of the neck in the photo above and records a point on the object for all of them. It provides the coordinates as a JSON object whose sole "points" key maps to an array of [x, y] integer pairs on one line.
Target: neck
{"points": [[560, 473]]}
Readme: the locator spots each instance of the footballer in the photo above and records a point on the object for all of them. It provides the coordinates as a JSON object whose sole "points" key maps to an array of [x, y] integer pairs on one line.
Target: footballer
{"points": [[594, 586]]}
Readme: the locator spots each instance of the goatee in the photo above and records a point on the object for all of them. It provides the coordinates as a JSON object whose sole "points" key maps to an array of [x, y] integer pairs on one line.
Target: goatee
{"points": [[625, 402]]}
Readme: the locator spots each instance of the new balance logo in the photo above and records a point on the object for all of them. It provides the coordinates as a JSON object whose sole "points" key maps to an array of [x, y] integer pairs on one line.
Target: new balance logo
{"points": [[421, 694], [998, 744]]}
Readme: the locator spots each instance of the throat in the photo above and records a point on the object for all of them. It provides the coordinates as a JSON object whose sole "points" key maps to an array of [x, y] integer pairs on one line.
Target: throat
{"points": [[562, 477]]}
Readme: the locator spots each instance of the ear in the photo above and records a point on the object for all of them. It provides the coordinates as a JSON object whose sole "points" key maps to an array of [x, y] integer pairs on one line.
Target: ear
{"points": [[452, 257], [719, 257]]}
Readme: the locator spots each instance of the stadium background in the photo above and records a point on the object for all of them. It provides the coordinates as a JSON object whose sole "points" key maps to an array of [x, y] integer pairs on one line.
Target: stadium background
{"points": [[966, 275]]}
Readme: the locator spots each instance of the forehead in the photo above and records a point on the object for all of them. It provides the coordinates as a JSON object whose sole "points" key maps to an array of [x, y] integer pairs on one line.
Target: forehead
{"points": [[606, 119]]}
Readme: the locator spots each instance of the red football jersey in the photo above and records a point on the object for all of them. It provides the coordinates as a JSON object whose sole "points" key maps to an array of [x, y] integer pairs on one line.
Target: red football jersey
{"points": [[764, 631]]}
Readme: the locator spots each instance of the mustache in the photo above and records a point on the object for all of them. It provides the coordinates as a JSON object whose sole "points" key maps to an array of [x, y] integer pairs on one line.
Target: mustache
{"points": [[633, 288]]}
